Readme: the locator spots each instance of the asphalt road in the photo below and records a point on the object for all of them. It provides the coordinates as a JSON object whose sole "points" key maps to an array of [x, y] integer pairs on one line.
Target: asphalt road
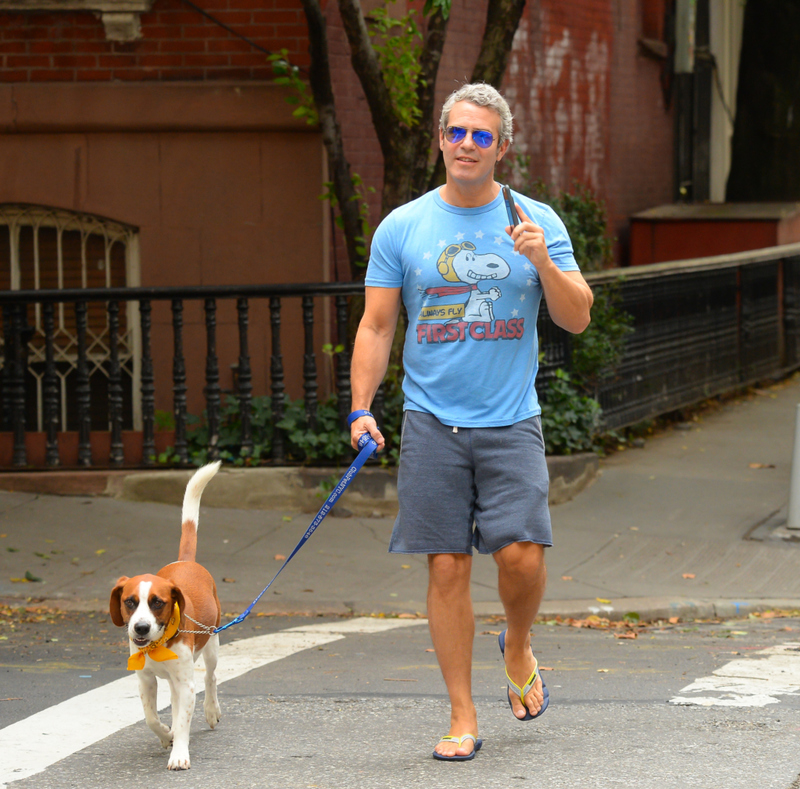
{"points": [[365, 710]]}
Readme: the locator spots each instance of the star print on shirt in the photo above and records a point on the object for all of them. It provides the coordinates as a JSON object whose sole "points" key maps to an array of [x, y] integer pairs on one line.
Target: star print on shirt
{"points": [[522, 297], [498, 239], [426, 256], [479, 234], [459, 236], [528, 267], [514, 312], [529, 283], [418, 271], [442, 243]]}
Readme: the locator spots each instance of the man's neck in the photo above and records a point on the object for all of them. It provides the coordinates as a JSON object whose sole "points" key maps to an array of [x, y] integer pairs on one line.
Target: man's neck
{"points": [[469, 196]]}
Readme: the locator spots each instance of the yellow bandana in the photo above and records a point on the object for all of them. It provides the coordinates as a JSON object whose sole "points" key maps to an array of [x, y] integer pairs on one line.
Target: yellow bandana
{"points": [[155, 649]]}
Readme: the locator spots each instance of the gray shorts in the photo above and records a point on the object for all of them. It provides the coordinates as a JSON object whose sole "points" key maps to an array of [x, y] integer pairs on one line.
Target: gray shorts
{"points": [[483, 487]]}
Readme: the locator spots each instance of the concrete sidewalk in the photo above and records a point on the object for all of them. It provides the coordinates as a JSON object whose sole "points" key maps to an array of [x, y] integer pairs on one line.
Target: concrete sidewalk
{"points": [[690, 525]]}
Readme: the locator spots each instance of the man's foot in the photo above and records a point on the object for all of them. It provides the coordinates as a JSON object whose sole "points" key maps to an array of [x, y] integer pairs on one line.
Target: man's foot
{"points": [[521, 664], [457, 749]]}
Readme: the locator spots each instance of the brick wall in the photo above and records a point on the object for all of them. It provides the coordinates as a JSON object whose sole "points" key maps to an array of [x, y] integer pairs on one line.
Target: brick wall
{"points": [[178, 43]]}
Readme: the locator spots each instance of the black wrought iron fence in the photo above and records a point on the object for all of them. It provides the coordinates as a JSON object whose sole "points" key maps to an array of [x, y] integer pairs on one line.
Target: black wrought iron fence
{"points": [[17, 338], [700, 328]]}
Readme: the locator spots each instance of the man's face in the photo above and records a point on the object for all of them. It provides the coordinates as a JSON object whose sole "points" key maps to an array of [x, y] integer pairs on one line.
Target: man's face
{"points": [[465, 161]]}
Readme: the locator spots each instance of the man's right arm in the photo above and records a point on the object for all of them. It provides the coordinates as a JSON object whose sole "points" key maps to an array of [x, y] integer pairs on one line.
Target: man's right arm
{"points": [[371, 350]]}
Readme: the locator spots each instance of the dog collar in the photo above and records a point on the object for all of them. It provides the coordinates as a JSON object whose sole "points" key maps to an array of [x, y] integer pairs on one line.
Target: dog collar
{"points": [[156, 649]]}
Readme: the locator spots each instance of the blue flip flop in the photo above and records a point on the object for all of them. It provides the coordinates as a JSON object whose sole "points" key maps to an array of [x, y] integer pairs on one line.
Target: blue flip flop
{"points": [[521, 691], [459, 740]]}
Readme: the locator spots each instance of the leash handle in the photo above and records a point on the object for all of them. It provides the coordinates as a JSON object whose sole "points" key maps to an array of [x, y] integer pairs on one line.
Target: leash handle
{"points": [[368, 446]]}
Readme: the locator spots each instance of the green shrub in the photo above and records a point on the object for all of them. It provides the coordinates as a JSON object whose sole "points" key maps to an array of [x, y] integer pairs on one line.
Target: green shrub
{"points": [[570, 420]]}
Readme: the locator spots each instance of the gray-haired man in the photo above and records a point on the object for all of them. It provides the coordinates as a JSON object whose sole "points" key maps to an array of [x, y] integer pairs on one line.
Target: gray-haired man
{"points": [[472, 464]]}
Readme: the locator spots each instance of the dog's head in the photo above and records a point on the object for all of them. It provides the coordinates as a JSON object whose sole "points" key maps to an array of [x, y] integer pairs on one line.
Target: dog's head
{"points": [[145, 604]]}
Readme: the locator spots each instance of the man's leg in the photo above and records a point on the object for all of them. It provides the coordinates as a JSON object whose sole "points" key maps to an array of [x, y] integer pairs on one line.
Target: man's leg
{"points": [[521, 581], [452, 626]]}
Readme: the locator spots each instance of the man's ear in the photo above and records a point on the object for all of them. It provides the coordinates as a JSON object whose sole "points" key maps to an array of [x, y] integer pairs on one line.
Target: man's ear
{"points": [[501, 151]]}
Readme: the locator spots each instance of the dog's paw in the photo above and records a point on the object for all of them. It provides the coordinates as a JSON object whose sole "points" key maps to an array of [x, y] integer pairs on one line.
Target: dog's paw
{"points": [[213, 712], [179, 759]]}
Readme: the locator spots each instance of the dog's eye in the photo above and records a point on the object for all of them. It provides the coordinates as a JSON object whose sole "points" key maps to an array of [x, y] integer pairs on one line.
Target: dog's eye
{"points": [[156, 604], [130, 604]]}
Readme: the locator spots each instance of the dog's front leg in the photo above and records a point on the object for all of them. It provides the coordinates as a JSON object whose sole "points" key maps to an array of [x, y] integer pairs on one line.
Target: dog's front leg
{"points": [[211, 703], [148, 693], [181, 680]]}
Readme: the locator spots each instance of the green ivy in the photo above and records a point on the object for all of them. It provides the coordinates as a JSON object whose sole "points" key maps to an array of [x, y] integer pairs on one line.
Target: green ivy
{"points": [[397, 44], [326, 444], [570, 420]]}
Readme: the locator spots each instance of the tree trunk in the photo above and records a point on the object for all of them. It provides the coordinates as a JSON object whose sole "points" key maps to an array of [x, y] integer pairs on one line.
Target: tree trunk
{"points": [[765, 159], [320, 79], [502, 21]]}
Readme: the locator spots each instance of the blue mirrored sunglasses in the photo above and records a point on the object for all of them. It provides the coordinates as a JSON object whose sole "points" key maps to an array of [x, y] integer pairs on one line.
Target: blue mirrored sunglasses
{"points": [[455, 134]]}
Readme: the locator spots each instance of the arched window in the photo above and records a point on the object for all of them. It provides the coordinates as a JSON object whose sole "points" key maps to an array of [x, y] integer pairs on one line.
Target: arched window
{"points": [[49, 248]]}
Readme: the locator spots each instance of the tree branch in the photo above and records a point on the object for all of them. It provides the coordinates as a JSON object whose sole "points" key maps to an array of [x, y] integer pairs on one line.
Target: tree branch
{"points": [[502, 21], [321, 86], [367, 67]]}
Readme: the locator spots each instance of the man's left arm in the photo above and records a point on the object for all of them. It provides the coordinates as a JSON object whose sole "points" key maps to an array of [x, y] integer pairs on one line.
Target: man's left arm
{"points": [[569, 297]]}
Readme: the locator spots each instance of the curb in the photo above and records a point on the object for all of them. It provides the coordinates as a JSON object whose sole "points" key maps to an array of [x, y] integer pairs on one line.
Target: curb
{"points": [[372, 493], [651, 609]]}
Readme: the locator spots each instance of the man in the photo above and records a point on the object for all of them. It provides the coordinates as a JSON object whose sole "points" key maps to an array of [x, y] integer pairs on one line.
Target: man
{"points": [[472, 464]]}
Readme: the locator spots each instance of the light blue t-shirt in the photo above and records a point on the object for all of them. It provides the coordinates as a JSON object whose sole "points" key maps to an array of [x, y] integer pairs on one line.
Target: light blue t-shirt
{"points": [[471, 349]]}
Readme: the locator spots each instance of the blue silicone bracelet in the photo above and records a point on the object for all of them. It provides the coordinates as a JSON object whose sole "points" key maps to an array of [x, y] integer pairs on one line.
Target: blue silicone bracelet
{"points": [[357, 415]]}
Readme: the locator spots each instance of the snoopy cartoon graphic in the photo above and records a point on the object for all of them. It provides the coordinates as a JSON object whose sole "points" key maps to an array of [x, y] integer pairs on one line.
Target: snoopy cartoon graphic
{"points": [[462, 264]]}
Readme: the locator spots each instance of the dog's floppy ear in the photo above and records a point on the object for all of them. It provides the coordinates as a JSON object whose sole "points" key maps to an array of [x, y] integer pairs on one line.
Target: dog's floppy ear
{"points": [[177, 597], [115, 603]]}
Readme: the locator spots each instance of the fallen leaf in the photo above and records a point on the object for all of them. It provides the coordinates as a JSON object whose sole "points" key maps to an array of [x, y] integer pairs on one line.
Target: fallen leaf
{"points": [[406, 616], [29, 576], [490, 633], [673, 620], [787, 629], [566, 577], [229, 580], [287, 518], [100, 552], [602, 600], [688, 575], [19, 580], [279, 557], [762, 465], [602, 671], [546, 668], [308, 590], [629, 634], [405, 566], [634, 528], [430, 650]]}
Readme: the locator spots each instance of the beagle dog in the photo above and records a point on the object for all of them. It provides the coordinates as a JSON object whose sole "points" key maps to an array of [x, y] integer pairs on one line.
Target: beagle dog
{"points": [[170, 619]]}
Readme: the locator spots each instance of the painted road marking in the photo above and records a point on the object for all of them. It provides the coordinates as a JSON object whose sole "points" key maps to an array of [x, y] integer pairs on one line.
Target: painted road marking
{"points": [[751, 682], [33, 744]]}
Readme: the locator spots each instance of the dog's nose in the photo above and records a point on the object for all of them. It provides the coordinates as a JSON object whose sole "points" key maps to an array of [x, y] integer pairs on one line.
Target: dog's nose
{"points": [[141, 628]]}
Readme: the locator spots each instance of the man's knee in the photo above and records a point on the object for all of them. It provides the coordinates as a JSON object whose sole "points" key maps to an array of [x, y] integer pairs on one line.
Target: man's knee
{"points": [[449, 569], [522, 558]]}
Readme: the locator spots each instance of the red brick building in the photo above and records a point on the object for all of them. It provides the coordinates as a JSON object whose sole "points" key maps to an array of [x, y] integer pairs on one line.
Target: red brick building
{"points": [[152, 128]]}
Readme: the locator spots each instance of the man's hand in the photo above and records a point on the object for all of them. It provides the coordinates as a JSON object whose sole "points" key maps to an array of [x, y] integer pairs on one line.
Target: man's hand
{"points": [[366, 424], [529, 240]]}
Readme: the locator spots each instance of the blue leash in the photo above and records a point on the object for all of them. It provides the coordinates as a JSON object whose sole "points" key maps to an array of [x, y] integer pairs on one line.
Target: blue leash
{"points": [[367, 446]]}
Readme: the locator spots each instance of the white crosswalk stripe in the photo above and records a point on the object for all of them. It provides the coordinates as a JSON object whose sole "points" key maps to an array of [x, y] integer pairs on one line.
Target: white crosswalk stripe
{"points": [[33, 744], [754, 681]]}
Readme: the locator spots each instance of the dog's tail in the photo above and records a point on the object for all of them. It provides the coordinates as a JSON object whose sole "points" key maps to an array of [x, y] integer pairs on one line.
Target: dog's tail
{"points": [[191, 511]]}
